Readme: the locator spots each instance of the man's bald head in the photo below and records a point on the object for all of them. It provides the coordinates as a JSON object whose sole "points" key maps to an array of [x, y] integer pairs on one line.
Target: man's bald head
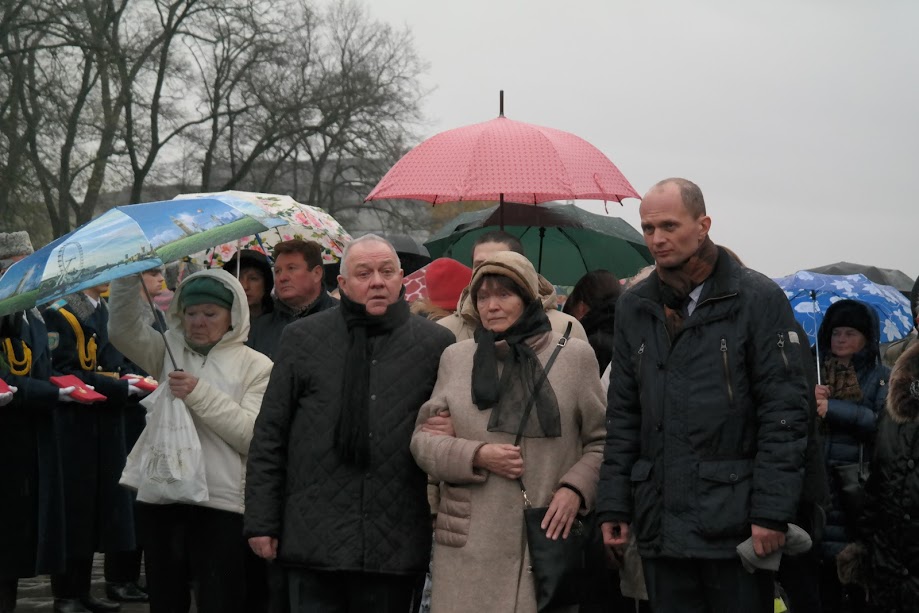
{"points": [[689, 192]]}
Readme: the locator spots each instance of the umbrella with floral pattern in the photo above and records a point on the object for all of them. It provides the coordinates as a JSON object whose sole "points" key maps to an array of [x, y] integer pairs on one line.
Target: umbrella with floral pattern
{"points": [[305, 222]]}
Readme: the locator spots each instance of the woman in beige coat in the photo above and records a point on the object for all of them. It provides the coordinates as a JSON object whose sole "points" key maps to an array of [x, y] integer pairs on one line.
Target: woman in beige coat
{"points": [[481, 562]]}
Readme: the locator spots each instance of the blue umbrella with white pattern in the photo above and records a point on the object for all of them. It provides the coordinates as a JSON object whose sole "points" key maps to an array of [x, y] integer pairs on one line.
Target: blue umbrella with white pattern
{"points": [[811, 294]]}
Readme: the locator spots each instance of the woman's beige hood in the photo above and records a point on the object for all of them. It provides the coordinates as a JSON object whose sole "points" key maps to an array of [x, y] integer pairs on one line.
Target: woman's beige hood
{"points": [[507, 264], [239, 313]]}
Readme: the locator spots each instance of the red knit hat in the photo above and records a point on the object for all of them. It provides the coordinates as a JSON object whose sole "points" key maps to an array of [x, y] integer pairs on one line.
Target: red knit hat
{"points": [[446, 279]]}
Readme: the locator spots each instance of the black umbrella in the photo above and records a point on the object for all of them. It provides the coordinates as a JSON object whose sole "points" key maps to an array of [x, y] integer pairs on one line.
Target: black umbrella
{"points": [[881, 276]]}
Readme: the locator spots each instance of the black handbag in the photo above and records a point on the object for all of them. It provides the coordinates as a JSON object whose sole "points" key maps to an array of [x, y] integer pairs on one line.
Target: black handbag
{"points": [[852, 479], [557, 566]]}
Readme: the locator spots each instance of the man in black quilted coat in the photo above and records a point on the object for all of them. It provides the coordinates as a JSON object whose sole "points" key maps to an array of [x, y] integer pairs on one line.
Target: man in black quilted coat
{"points": [[332, 491], [707, 416]]}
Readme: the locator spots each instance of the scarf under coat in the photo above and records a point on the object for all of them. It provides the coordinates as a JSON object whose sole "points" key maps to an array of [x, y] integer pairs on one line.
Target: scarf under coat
{"points": [[677, 283], [508, 396], [842, 379], [352, 440]]}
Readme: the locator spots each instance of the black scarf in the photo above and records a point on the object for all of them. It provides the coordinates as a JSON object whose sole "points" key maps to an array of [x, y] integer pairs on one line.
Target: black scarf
{"points": [[522, 369], [677, 283], [352, 440]]}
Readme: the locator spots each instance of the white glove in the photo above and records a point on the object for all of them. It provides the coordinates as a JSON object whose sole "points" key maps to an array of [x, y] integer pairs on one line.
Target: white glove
{"points": [[133, 390], [63, 394], [7, 397]]}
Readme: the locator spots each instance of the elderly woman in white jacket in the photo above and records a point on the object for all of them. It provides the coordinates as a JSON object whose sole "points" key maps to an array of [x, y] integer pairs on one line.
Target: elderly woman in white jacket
{"points": [[221, 382]]}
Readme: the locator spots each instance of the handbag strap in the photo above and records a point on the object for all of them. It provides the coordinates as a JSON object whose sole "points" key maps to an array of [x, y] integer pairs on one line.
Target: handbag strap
{"points": [[529, 407]]}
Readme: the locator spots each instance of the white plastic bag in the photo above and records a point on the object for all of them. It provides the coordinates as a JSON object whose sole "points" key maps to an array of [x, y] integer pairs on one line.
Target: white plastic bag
{"points": [[167, 464]]}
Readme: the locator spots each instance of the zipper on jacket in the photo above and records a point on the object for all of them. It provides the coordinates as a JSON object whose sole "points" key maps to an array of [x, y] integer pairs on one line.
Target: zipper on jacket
{"points": [[781, 345], [727, 369], [641, 354]]}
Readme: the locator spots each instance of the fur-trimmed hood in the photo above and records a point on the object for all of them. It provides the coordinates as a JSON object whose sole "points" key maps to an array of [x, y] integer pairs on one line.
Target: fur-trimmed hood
{"points": [[903, 394]]}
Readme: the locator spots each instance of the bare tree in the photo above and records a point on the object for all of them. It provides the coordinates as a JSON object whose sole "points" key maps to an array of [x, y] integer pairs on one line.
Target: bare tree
{"points": [[59, 114], [268, 95], [155, 65], [371, 98]]}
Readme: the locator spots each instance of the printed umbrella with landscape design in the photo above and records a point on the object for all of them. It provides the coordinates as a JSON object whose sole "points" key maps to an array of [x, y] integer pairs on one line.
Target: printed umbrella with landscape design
{"points": [[127, 240]]}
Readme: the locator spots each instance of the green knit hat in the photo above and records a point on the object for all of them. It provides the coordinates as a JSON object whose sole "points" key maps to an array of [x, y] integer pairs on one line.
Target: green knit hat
{"points": [[205, 290]]}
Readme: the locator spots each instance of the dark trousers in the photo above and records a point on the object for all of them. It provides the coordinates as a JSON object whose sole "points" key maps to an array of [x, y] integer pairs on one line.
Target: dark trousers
{"points": [[799, 575], [8, 589], [192, 548], [75, 580], [707, 586], [347, 592], [123, 566], [278, 592]]}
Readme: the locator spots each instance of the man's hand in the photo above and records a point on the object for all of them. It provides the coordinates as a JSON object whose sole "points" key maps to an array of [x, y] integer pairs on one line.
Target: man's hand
{"points": [[441, 424], [181, 383], [561, 513], [501, 459], [265, 547], [615, 533], [765, 541]]}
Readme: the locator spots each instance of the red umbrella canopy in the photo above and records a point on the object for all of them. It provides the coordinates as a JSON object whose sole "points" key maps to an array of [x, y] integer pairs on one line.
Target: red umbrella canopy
{"points": [[519, 161]]}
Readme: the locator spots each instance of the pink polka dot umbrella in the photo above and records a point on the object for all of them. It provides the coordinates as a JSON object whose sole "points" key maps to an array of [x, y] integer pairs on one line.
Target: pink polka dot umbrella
{"points": [[504, 160]]}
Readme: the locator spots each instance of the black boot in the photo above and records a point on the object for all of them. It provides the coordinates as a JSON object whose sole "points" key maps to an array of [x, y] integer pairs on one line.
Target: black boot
{"points": [[69, 605], [99, 605], [125, 592]]}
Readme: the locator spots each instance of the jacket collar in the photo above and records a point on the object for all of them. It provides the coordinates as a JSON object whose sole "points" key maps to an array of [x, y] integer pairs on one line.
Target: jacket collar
{"points": [[724, 282], [323, 301]]}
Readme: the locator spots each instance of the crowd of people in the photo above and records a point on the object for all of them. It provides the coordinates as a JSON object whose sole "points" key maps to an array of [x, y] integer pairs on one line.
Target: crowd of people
{"points": [[366, 455]]}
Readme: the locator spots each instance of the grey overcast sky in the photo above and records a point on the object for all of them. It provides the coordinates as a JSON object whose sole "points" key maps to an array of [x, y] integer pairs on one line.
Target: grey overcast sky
{"points": [[799, 119]]}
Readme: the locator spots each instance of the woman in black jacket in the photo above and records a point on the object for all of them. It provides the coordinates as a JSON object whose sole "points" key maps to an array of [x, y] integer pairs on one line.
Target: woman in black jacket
{"points": [[887, 558], [849, 401]]}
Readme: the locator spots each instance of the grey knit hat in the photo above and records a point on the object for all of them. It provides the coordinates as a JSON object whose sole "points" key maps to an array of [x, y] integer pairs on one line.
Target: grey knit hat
{"points": [[14, 243]]}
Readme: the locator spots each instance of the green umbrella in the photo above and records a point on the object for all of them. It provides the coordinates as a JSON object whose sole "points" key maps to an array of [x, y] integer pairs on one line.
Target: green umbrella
{"points": [[562, 240]]}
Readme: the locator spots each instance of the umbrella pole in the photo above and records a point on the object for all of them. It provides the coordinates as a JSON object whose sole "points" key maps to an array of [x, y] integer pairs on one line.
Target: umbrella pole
{"points": [[501, 201], [816, 336], [542, 235], [262, 245], [163, 334], [576, 246]]}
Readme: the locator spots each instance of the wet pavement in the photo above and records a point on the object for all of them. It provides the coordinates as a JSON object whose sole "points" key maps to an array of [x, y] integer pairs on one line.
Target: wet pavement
{"points": [[35, 593]]}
